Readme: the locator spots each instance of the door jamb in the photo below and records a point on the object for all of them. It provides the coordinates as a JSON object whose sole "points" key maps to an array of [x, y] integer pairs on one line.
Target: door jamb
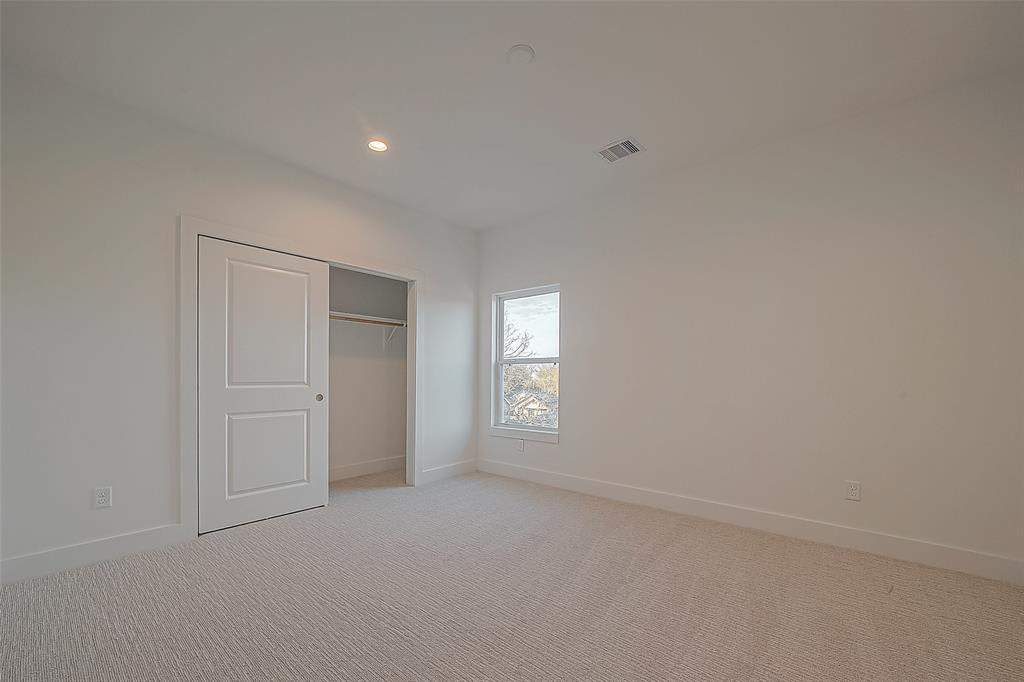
{"points": [[189, 231]]}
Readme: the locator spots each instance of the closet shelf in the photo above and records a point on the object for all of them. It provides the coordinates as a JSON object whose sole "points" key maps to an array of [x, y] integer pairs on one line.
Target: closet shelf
{"points": [[367, 319]]}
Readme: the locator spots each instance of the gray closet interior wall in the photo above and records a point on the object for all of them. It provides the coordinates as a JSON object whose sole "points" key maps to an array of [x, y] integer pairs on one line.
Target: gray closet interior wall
{"points": [[363, 294], [368, 376]]}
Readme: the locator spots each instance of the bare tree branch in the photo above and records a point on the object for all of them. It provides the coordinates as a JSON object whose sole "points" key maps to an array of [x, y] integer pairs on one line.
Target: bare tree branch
{"points": [[516, 343]]}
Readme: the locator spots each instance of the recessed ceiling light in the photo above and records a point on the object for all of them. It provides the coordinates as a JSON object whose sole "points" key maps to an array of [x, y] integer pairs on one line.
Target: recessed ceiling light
{"points": [[377, 145], [520, 54]]}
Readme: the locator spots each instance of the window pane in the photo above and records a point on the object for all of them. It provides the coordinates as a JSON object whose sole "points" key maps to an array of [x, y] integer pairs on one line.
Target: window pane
{"points": [[530, 395], [531, 326]]}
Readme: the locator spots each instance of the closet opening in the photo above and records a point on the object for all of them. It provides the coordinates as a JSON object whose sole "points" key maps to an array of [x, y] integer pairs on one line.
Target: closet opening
{"points": [[276, 399], [368, 377]]}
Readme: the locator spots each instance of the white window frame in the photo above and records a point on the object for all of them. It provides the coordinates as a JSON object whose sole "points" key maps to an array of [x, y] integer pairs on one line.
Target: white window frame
{"points": [[535, 433]]}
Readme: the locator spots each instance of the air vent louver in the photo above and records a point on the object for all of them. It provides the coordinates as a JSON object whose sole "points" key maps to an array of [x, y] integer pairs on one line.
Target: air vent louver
{"points": [[621, 149]]}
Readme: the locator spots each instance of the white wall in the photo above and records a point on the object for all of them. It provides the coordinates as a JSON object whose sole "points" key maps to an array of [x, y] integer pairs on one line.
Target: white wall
{"points": [[845, 304], [92, 194], [368, 377], [1, 353]]}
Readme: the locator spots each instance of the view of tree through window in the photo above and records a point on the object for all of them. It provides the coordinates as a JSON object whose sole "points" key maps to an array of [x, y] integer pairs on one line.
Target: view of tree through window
{"points": [[527, 369]]}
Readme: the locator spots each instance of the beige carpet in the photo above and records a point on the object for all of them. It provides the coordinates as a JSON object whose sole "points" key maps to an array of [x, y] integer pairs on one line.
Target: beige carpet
{"points": [[483, 577]]}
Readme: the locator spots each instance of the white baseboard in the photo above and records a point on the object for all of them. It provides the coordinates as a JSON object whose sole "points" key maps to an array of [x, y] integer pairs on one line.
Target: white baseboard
{"points": [[438, 473], [995, 566], [89, 552], [373, 466]]}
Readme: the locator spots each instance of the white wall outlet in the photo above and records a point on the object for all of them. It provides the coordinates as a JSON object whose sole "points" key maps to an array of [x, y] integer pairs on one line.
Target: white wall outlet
{"points": [[103, 497], [521, 445], [853, 490]]}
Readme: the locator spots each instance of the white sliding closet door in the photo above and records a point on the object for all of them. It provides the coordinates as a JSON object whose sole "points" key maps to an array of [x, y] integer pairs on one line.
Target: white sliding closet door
{"points": [[263, 380]]}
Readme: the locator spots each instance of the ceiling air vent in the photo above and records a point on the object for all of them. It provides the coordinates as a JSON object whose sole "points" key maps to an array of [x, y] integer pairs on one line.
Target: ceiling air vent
{"points": [[621, 149]]}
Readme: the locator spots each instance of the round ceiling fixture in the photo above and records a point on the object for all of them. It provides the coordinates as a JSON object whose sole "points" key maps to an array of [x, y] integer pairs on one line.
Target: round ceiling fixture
{"points": [[520, 54], [377, 145]]}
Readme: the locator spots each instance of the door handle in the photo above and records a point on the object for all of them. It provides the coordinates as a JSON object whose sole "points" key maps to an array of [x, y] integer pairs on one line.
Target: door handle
{"points": [[319, 397]]}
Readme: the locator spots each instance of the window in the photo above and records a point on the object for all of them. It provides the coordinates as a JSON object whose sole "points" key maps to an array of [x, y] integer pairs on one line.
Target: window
{"points": [[526, 367]]}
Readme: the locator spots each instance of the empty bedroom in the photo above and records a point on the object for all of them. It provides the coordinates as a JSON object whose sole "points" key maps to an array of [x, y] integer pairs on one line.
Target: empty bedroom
{"points": [[511, 340]]}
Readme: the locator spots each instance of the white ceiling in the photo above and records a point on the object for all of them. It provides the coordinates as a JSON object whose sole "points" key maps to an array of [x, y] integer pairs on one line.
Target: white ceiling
{"points": [[483, 143]]}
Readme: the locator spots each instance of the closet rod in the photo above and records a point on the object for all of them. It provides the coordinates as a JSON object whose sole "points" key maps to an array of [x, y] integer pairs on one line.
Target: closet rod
{"points": [[367, 319]]}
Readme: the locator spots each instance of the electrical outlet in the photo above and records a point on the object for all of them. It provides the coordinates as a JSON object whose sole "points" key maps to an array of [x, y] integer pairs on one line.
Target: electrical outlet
{"points": [[521, 445], [103, 497], [853, 490]]}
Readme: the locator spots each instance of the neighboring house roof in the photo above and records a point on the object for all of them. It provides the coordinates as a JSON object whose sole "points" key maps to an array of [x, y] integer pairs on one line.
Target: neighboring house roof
{"points": [[529, 402]]}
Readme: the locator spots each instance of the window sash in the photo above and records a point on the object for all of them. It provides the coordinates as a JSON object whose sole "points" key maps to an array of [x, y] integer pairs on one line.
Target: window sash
{"points": [[529, 361], [501, 299], [499, 416]]}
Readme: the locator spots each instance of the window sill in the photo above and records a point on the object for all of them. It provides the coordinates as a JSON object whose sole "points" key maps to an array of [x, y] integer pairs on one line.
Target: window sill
{"points": [[524, 434]]}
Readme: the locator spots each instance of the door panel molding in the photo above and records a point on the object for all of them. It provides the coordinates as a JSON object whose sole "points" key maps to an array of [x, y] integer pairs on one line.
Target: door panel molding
{"points": [[234, 469], [293, 361]]}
